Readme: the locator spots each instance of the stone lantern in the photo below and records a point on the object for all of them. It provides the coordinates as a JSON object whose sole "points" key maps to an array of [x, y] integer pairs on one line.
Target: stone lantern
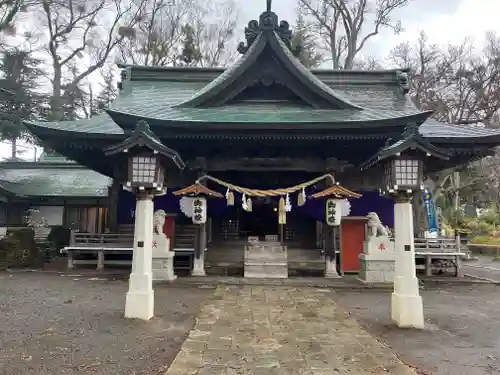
{"points": [[146, 158], [403, 161]]}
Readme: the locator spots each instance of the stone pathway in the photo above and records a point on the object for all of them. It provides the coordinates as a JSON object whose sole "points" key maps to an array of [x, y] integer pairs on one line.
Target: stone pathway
{"points": [[280, 331]]}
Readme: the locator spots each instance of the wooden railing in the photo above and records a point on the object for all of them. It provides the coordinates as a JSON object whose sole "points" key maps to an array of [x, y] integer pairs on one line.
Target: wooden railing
{"points": [[436, 245], [101, 240]]}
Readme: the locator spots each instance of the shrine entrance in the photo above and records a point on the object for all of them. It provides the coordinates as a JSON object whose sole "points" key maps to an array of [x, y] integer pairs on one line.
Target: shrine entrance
{"points": [[262, 220]]}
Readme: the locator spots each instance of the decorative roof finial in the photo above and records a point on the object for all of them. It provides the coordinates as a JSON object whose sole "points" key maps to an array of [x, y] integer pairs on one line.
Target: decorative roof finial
{"points": [[269, 3]]}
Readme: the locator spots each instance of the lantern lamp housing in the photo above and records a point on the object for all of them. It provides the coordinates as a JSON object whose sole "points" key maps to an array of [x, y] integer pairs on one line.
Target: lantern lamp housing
{"points": [[146, 157], [403, 173]]}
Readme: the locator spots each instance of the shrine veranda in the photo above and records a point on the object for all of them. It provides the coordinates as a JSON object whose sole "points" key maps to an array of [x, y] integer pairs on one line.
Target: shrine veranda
{"points": [[266, 123]]}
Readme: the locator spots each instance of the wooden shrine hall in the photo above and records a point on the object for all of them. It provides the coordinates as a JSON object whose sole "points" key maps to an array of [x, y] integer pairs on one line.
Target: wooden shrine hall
{"points": [[267, 124]]}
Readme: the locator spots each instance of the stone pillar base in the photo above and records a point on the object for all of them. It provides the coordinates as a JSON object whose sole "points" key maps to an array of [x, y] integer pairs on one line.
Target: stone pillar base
{"points": [[407, 309], [139, 304], [377, 268], [198, 267], [331, 269]]}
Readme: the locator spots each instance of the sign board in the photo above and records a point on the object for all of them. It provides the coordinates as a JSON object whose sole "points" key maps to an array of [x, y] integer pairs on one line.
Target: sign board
{"points": [[333, 212], [199, 210]]}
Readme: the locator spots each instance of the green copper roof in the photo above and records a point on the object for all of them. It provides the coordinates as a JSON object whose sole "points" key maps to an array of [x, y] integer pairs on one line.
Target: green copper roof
{"points": [[51, 179], [410, 140]]}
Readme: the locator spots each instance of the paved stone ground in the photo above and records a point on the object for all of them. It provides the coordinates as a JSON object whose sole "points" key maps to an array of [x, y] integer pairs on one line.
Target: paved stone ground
{"points": [[484, 267], [74, 325], [462, 334], [280, 331]]}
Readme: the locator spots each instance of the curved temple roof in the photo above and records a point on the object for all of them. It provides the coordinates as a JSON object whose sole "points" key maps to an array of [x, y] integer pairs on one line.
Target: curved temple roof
{"points": [[199, 99]]}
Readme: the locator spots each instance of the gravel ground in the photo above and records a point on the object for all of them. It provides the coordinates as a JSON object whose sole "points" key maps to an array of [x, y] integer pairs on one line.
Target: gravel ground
{"points": [[52, 324], [462, 335]]}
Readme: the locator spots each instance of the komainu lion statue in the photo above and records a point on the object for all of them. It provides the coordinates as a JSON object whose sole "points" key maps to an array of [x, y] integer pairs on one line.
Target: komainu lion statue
{"points": [[375, 226]]}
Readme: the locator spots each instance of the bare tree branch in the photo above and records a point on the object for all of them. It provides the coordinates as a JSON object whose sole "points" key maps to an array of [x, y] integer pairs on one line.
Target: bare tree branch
{"points": [[343, 23]]}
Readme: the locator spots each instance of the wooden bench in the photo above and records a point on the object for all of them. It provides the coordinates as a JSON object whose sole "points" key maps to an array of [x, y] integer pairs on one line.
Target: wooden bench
{"points": [[438, 253], [102, 244]]}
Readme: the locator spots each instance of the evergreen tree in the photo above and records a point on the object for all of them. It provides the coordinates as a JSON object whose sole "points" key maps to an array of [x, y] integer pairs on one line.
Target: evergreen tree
{"points": [[191, 55], [20, 74], [107, 93], [305, 45]]}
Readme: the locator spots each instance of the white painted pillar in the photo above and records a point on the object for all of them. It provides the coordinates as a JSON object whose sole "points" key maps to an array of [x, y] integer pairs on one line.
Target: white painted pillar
{"points": [[199, 252], [139, 302], [406, 304], [331, 254]]}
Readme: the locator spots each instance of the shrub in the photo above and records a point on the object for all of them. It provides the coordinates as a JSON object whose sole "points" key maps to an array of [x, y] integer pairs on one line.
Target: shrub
{"points": [[59, 237], [18, 249], [485, 240]]}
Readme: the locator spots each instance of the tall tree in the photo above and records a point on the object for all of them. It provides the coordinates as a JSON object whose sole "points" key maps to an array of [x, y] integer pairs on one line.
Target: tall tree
{"points": [[460, 83], [20, 74], [107, 93], [343, 24], [84, 34], [161, 34], [305, 42], [190, 55], [9, 9]]}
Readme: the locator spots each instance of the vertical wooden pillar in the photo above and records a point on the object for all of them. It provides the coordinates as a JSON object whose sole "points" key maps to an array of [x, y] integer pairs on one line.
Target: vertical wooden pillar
{"points": [[199, 251], [113, 200]]}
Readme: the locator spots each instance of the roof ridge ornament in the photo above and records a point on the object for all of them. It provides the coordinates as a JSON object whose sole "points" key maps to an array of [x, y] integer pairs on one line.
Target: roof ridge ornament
{"points": [[268, 21]]}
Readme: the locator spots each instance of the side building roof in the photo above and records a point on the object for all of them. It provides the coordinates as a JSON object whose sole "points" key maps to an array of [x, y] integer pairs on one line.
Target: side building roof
{"points": [[52, 179]]}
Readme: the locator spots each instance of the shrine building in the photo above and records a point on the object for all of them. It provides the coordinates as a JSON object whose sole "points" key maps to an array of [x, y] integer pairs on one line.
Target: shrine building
{"points": [[266, 122]]}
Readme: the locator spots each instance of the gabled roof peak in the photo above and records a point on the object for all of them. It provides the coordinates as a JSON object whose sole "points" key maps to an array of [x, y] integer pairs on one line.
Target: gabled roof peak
{"points": [[268, 22]]}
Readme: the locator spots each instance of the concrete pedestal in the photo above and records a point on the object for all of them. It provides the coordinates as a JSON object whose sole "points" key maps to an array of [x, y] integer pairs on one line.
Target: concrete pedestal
{"points": [[163, 268], [331, 269], [199, 266], [406, 302], [266, 260], [377, 262], [139, 302], [163, 259]]}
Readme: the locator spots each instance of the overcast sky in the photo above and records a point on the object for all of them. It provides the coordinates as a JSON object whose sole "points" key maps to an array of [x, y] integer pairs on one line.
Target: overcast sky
{"points": [[444, 21]]}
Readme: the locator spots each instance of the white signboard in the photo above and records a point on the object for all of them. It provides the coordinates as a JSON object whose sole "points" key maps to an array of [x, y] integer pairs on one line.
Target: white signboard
{"points": [[199, 210], [333, 212]]}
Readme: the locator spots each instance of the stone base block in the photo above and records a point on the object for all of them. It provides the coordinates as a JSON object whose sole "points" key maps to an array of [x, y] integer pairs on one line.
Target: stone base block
{"points": [[163, 269], [377, 267], [198, 267], [407, 310], [266, 271], [266, 261], [140, 304]]}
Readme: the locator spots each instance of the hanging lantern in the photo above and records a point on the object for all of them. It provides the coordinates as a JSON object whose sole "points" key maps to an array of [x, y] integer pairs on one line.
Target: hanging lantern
{"points": [[333, 212], [199, 210], [229, 197], [301, 199]]}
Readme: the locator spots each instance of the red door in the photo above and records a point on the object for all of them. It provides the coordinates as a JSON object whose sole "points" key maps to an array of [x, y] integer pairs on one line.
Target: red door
{"points": [[352, 236]]}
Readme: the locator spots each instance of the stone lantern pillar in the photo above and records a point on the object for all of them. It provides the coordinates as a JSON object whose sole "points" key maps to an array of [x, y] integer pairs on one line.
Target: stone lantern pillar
{"points": [[145, 157], [403, 176]]}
